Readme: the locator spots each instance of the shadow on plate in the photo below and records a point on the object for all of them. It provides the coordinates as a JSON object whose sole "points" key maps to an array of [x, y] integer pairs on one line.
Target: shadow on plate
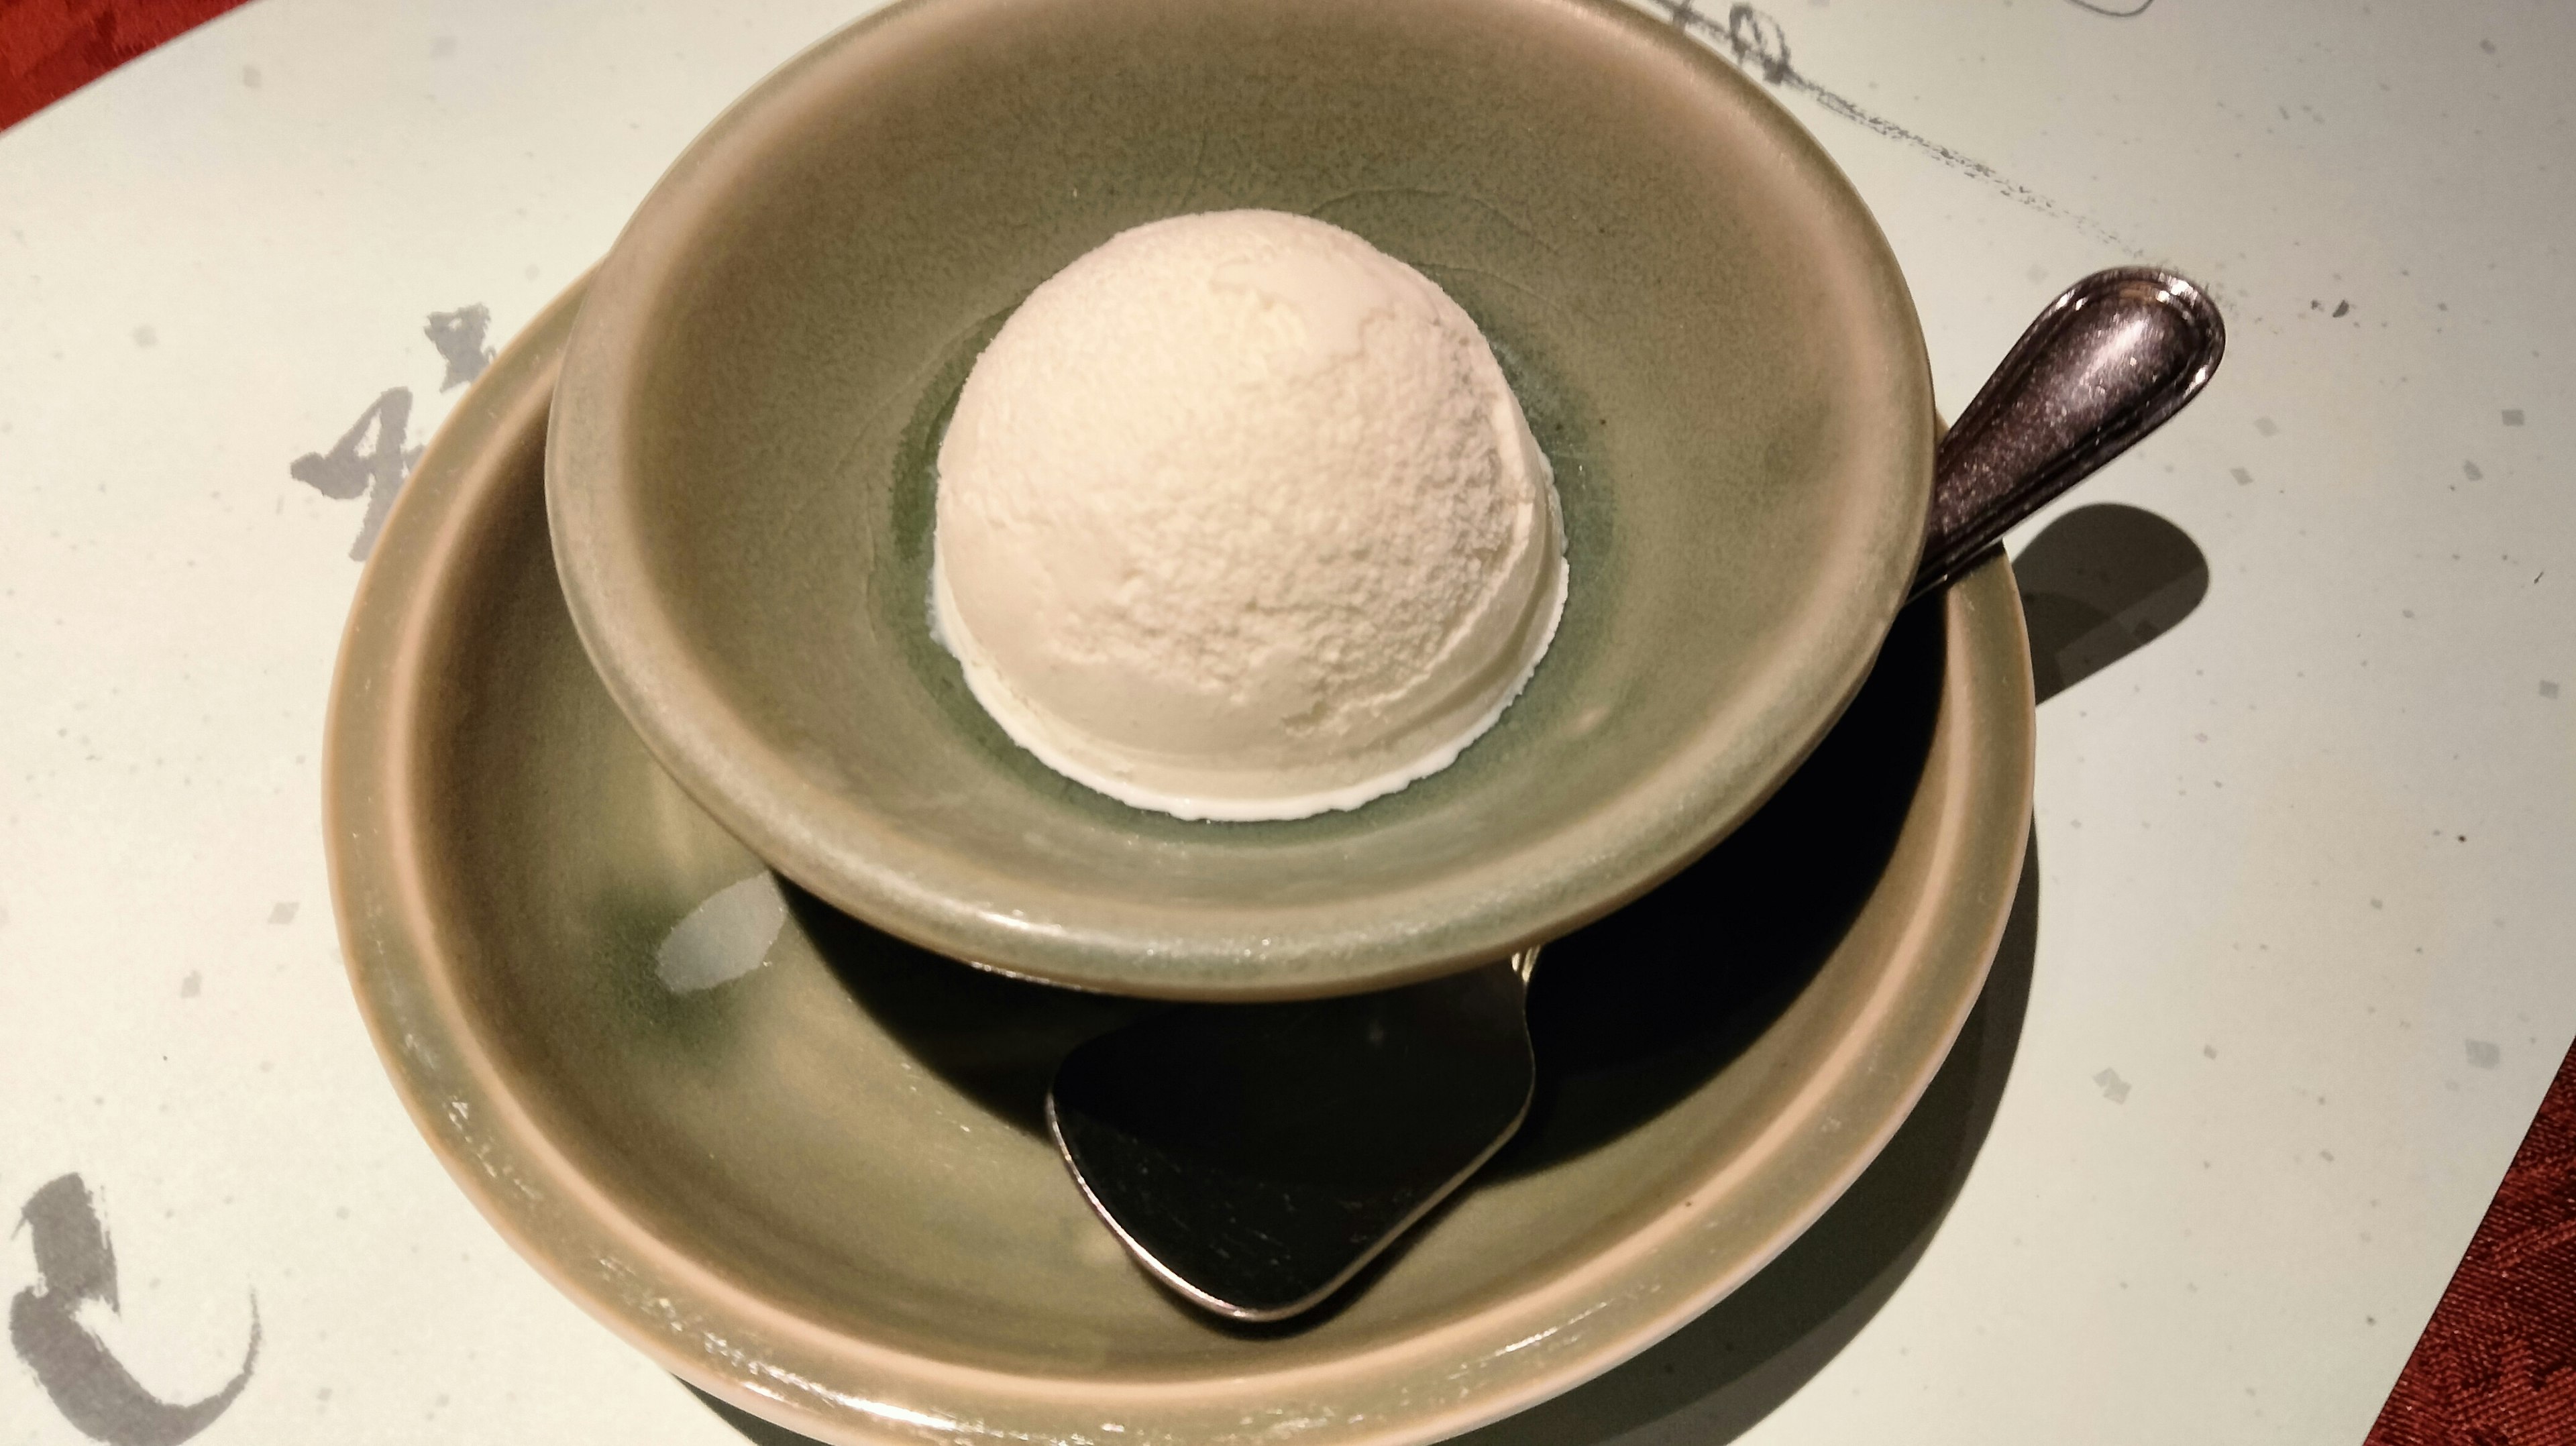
{"points": [[1644, 1019], [1714, 1378], [1632, 1013], [997, 1039]]}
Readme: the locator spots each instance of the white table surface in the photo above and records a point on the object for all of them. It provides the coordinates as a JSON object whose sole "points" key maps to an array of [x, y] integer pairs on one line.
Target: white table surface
{"points": [[2296, 972]]}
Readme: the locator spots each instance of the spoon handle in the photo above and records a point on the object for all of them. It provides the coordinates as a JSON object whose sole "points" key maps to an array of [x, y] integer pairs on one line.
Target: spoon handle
{"points": [[2104, 365]]}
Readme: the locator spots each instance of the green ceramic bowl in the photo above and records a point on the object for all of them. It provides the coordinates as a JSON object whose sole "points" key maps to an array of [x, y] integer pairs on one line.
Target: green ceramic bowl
{"points": [[1707, 331], [822, 1189]]}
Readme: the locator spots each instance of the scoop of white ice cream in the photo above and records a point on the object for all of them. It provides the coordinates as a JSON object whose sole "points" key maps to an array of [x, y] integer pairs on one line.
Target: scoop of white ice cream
{"points": [[1238, 519]]}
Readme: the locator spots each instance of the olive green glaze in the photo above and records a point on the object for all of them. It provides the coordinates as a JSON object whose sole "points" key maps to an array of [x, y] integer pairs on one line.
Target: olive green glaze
{"points": [[821, 1191], [1706, 329]]}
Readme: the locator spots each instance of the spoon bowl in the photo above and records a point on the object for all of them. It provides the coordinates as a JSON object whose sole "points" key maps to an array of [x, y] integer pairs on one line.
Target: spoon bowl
{"points": [[1254, 1157]]}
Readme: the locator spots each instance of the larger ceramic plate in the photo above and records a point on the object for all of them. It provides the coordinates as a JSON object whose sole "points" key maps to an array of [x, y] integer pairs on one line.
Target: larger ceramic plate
{"points": [[801, 1163]]}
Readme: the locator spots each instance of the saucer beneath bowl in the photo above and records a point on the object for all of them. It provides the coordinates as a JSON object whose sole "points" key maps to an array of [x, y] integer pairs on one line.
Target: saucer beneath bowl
{"points": [[800, 1164]]}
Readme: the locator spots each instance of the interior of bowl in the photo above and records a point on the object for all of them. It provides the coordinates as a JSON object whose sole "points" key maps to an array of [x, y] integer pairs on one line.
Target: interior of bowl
{"points": [[801, 1161], [1704, 327]]}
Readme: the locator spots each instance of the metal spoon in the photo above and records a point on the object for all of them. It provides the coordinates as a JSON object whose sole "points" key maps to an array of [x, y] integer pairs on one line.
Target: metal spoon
{"points": [[1255, 1157]]}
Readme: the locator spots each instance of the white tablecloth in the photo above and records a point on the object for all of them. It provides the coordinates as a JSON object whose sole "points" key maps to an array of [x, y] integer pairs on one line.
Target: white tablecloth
{"points": [[2300, 969]]}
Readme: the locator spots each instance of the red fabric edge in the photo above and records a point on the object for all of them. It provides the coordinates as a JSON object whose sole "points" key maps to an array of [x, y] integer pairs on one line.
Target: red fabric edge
{"points": [[50, 48], [2497, 1363]]}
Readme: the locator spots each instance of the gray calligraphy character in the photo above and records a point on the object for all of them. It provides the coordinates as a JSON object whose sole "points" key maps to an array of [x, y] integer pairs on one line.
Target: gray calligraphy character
{"points": [[458, 335], [93, 1390], [378, 471]]}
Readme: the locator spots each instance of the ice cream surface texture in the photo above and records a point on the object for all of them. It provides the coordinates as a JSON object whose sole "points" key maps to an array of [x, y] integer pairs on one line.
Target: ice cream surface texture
{"points": [[1238, 519]]}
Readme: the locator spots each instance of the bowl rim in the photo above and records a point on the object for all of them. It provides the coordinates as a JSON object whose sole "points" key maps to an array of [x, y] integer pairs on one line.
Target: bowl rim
{"points": [[757, 1355], [833, 844]]}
